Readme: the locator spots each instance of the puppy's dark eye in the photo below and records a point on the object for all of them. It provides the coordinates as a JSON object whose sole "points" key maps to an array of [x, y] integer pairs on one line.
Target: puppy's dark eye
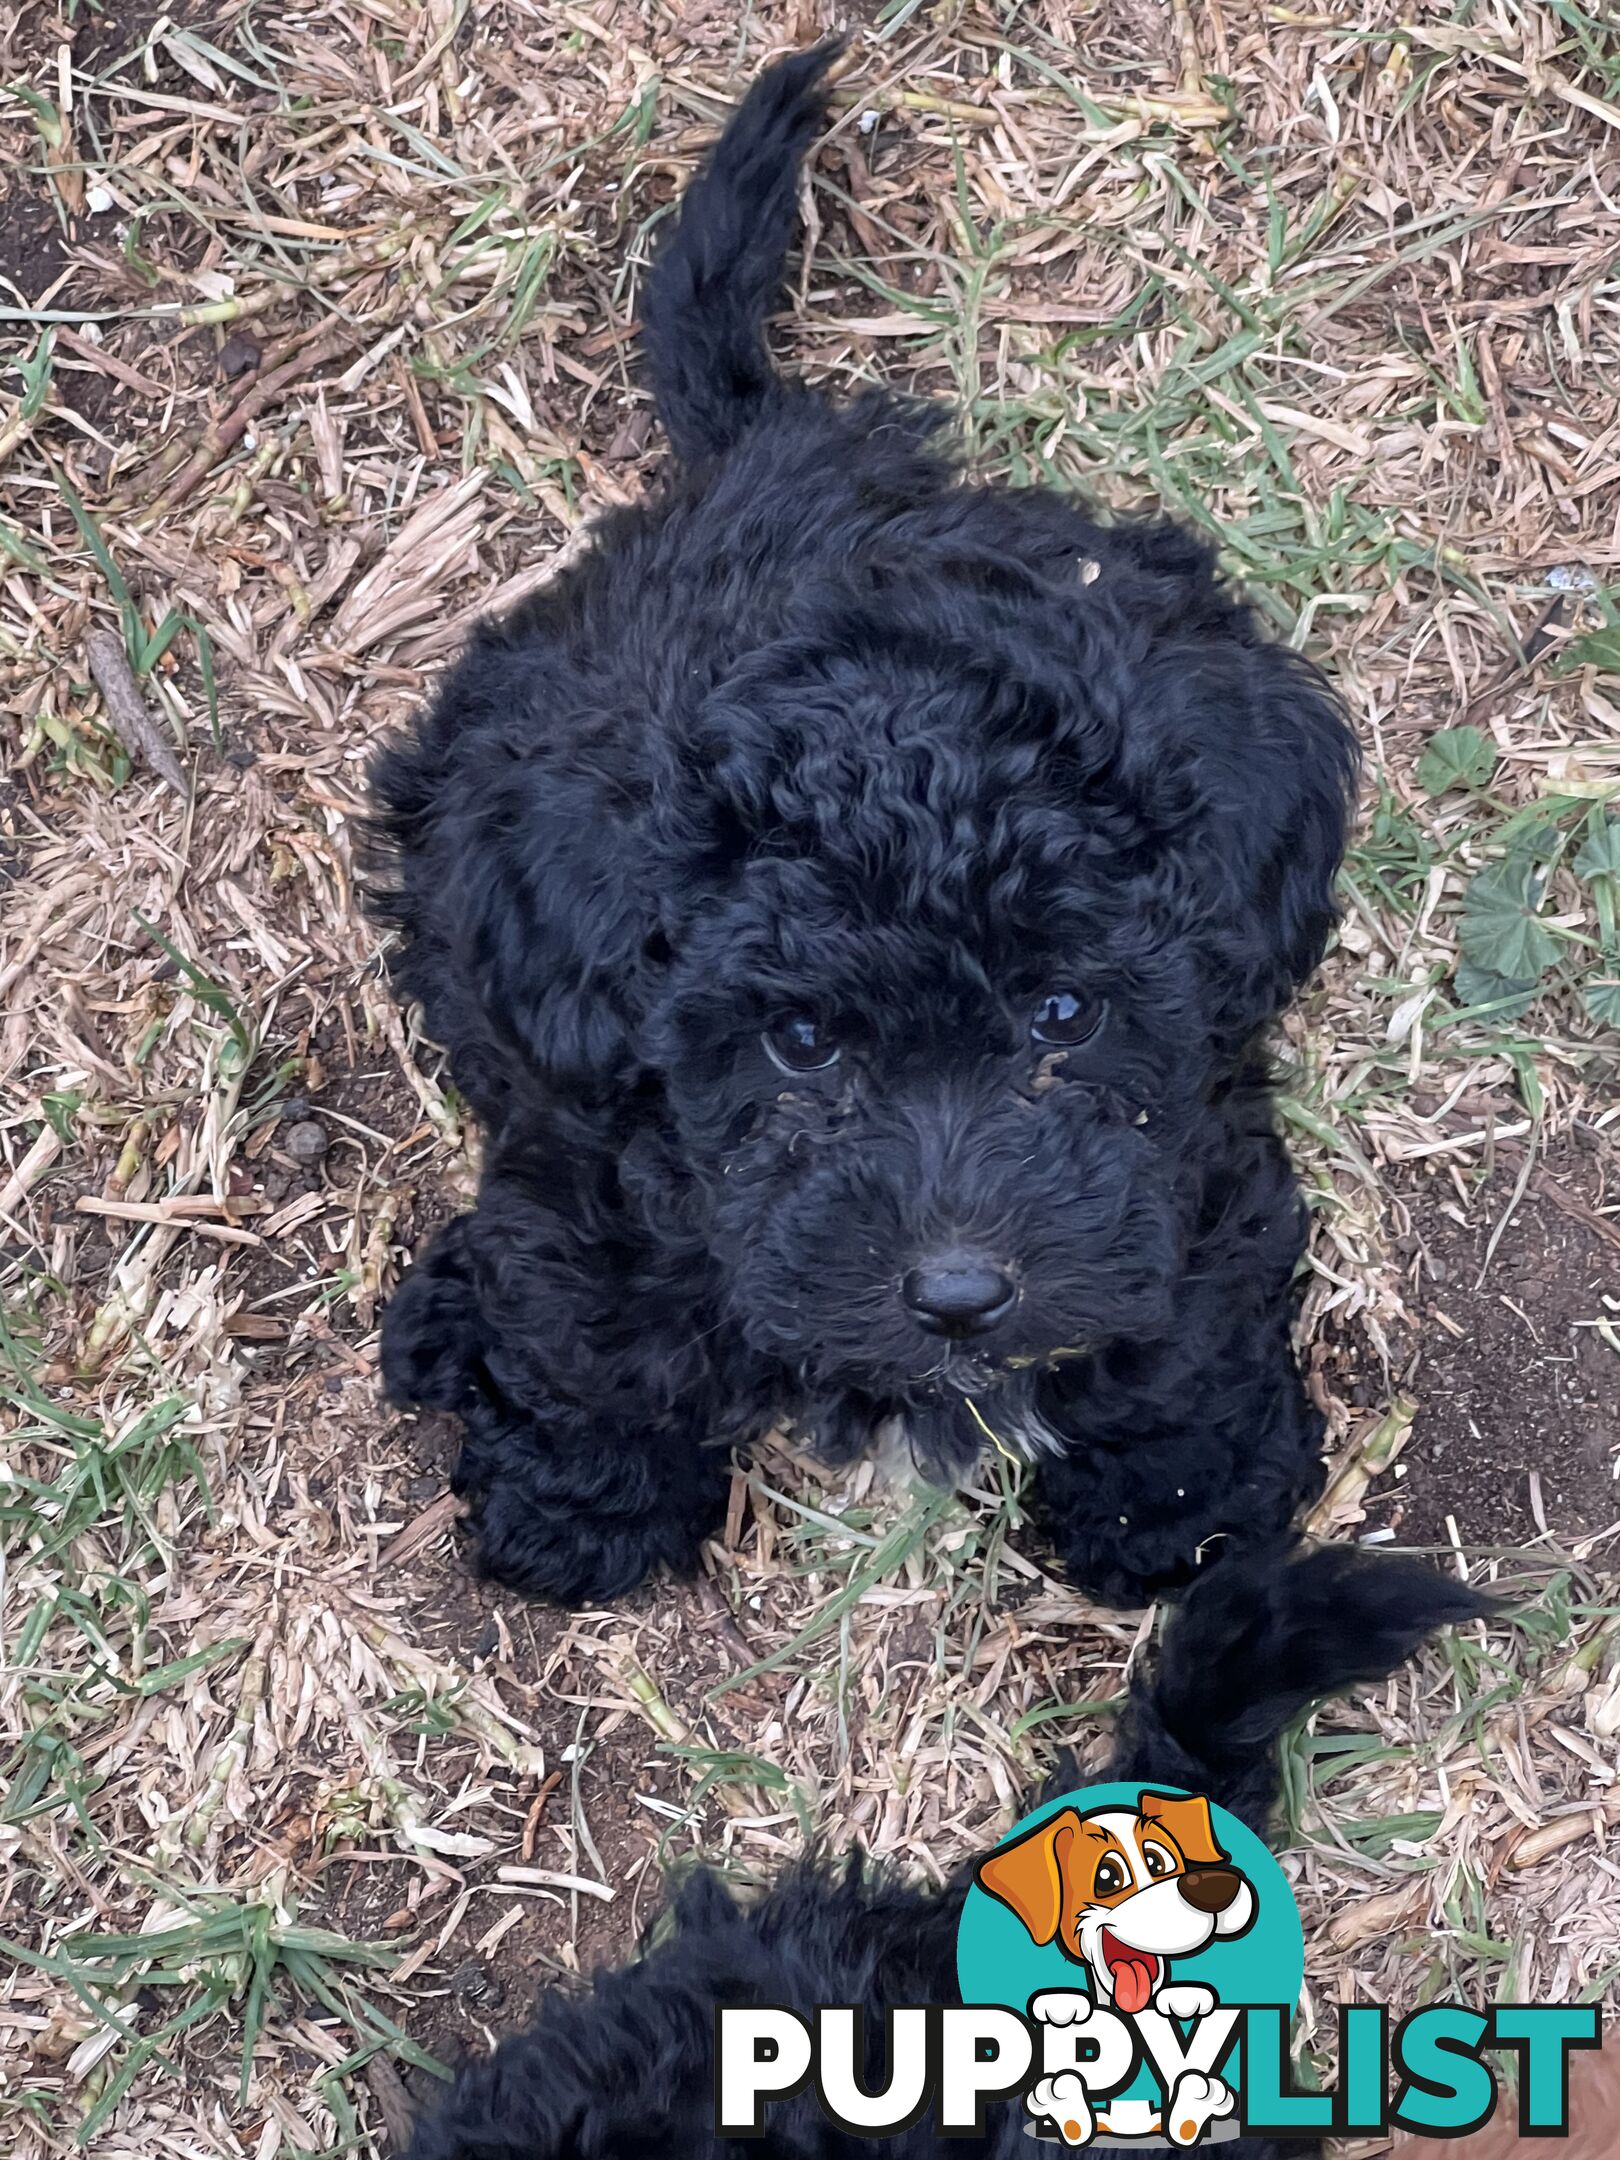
{"points": [[1110, 1876], [1158, 1860], [1062, 1019], [802, 1045]]}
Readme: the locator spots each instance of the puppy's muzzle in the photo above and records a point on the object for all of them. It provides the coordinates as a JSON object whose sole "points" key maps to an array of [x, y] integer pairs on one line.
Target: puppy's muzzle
{"points": [[959, 1294], [1210, 1890]]}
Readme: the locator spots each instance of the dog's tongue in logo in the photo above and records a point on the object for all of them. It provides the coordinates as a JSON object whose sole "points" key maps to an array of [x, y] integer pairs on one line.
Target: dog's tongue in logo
{"points": [[1133, 1973]]}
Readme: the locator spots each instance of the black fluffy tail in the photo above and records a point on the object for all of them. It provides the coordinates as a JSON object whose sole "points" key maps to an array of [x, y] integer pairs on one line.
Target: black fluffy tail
{"points": [[1255, 1642], [720, 270]]}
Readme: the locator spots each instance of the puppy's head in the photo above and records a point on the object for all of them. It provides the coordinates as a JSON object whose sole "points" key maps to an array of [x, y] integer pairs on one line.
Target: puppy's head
{"points": [[1123, 1890], [941, 923]]}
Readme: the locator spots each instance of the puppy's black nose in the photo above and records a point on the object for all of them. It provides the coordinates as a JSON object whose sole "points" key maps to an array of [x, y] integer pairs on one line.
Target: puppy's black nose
{"points": [[958, 1294]]}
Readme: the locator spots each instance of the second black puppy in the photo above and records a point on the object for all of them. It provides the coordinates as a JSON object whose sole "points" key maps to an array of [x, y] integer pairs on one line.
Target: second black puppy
{"points": [[852, 899], [627, 2073]]}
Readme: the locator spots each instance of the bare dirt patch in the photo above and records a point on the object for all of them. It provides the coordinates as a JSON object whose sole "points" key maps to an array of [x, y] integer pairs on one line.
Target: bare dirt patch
{"points": [[31, 239], [1518, 1389]]}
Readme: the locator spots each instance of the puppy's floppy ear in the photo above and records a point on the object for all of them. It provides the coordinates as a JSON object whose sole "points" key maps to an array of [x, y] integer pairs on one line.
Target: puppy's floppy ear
{"points": [[555, 930], [1027, 1875], [1280, 796], [1189, 1824], [1287, 841], [519, 883], [1245, 762]]}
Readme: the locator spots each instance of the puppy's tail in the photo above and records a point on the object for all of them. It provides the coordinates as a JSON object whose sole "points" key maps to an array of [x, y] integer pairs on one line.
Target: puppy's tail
{"points": [[1259, 1639], [718, 273]]}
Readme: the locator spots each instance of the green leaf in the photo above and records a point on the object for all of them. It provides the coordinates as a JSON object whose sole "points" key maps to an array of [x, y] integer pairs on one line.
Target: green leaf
{"points": [[1600, 856], [36, 375], [1599, 649], [46, 117], [1602, 998], [1456, 757], [153, 648], [1501, 933], [1482, 986], [13, 545], [207, 993], [61, 1108], [90, 533]]}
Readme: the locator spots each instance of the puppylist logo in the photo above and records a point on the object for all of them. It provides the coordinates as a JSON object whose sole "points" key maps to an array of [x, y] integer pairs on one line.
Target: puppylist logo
{"points": [[1129, 1958], [1119, 1900]]}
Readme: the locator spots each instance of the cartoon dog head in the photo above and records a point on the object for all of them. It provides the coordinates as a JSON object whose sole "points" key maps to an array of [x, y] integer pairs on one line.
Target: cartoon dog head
{"points": [[1123, 1890]]}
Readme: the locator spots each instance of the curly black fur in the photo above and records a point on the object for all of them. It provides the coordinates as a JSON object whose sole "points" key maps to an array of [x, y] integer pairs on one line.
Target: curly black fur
{"points": [[627, 2071], [823, 736]]}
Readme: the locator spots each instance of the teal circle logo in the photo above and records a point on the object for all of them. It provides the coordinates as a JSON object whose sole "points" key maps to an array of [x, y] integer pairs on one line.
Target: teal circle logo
{"points": [[1132, 1924]]}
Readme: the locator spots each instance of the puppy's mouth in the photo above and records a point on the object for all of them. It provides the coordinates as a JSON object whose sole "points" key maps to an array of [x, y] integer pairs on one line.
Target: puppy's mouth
{"points": [[1133, 1973], [966, 1371]]}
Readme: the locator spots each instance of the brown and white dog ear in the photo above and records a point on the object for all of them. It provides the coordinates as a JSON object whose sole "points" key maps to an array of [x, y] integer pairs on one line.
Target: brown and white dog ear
{"points": [[1027, 1876], [1188, 1822]]}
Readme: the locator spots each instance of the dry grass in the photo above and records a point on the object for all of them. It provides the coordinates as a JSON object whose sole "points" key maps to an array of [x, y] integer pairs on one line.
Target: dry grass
{"points": [[319, 344]]}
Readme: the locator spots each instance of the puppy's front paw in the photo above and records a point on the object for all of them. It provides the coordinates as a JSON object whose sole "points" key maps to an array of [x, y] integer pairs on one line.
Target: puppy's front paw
{"points": [[1061, 2006], [581, 1514], [432, 1331], [1063, 2101], [577, 1559], [1195, 2103], [1185, 1999]]}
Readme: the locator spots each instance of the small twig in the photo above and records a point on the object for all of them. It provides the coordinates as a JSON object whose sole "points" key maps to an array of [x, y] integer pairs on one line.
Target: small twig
{"points": [[417, 1669], [336, 270], [531, 1821], [1192, 112], [161, 468], [108, 363], [404, 1806], [1599, 1225], [1508, 1213], [1191, 84], [725, 1626], [1542, 633], [178, 1207], [31, 1169], [426, 440], [228, 430], [545, 1878], [1371, 1458], [422, 1530], [154, 1211], [16, 431], [132, 721], [628, 1670]]}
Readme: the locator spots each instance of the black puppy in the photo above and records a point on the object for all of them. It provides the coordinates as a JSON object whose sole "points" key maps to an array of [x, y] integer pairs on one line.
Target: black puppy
{"points": [[628, 2071], [852, 899]]}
